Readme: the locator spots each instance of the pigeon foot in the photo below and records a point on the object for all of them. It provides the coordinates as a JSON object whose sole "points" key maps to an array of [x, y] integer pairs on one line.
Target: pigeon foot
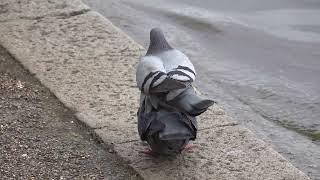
{"points": [[189, 147], [149, 152]]}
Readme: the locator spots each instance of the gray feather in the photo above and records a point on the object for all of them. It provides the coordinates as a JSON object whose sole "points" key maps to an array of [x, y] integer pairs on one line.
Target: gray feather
{"points": [[190, 102], [158, 42], [167, 85], [168, 103], [166, 132]]}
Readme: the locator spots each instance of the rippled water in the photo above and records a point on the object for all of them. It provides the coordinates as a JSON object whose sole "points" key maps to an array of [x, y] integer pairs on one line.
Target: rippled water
{"points": [[259, 59]]}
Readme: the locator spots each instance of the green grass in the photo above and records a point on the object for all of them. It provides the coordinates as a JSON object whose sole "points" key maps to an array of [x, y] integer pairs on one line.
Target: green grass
{"points": [[314, 135], [310, 133]]}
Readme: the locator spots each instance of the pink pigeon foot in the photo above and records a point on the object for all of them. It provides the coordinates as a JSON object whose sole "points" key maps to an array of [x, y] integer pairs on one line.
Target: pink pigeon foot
{"points": [[189, 147], [149, 152]]}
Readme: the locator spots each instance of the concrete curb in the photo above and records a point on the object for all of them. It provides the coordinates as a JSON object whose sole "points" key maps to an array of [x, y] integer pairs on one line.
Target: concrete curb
{"points": [[89, 64]]}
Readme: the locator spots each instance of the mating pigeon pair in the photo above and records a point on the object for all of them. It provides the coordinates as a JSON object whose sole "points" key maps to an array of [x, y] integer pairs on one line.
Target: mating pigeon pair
{"points": [[168, 101]]}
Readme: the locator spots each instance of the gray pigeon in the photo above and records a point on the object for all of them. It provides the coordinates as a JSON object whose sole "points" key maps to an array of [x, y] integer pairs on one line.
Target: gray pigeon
{"points": [[168, 101]]}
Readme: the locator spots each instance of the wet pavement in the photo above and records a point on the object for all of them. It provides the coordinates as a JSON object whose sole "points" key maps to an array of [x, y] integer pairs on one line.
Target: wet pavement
{"points": [[259, 59]]}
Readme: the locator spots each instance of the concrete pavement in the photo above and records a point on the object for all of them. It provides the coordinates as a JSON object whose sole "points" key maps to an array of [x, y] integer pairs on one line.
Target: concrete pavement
{"points": [[89, 64]]}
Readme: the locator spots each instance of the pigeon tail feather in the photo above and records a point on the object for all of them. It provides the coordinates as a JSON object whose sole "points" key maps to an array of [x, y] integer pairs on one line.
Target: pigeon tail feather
{"points": [[191, 103]]}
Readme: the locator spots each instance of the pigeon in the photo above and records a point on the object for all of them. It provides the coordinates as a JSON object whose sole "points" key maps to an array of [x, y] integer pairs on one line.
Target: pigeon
{"points": [[169, 103]]}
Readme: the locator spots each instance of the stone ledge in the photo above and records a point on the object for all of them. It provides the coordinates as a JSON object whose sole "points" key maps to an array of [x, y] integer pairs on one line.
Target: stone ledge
{"points": [[36, 9]]}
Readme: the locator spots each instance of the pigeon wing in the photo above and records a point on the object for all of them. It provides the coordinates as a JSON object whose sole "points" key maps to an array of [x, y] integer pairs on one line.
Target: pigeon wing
{"points": [[151, 76], [167, 85], [178, 65]]}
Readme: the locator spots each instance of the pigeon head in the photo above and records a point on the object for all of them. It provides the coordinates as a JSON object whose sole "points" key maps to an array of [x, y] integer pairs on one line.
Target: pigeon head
{"points": [[158, 42]]}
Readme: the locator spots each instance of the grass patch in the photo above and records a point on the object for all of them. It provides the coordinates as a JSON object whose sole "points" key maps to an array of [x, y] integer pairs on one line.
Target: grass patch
{"points": [[314, 135], [310, 133]]}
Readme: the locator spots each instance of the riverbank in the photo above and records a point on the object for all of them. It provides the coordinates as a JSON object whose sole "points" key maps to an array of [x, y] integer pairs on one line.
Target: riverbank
{"points": [[89, 64]]}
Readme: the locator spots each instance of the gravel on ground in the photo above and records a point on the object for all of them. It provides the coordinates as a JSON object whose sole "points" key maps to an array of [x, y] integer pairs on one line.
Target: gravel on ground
{"points": [[41, 139]]}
